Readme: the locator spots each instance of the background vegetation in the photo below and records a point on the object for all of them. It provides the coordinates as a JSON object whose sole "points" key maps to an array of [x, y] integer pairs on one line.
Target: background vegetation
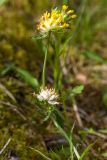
{"points": [[21, 60]]}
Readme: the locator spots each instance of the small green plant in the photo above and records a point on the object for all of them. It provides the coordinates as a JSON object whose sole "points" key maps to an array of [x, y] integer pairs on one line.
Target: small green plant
{"points": [[51, 29], [56, 104]]}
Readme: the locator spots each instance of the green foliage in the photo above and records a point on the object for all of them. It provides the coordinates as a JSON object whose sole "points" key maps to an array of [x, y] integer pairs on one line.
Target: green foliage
{"points": [[104, 98], [86, 152], [104, 131], [7, 69], [104, 154], [2, 2], [17, 48], [77, 90], [95, 57], [59, 154], [69, 138], [27, 77], [65, 2], [42, 154], [90, 21]]}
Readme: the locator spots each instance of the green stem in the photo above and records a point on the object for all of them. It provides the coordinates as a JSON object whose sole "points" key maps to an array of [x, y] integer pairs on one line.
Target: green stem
{"points": [[44, 68], [66, 137], [65, 2], [57, 72], [44, 64]]}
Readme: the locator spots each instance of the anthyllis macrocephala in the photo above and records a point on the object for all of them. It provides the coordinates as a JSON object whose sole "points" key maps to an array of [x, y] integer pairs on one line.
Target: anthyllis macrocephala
{"points": [[48, 95], [56, 20]]}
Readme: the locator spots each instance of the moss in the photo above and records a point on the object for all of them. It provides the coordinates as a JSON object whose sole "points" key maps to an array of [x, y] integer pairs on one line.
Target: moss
{"points": [[16, 29], [21, 122]]}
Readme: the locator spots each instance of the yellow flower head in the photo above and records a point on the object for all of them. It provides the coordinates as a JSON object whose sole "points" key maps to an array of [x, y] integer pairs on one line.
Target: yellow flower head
{"points": [[56, 20], [64, 7]]}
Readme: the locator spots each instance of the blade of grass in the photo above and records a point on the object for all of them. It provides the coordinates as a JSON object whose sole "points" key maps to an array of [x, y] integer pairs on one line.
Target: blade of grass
{"points": [[69, 139], [39, 152], [95, 57], [61, 130], [27, 77], [86, 151]]}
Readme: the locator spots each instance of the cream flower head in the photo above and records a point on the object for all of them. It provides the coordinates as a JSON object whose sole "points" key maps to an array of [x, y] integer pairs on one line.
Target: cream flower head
{"points": [[56, 20], [48, 95]]}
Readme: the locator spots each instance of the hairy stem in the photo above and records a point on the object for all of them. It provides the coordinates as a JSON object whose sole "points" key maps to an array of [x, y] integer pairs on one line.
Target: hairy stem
{"points": [[44, 68], [44, 64]]}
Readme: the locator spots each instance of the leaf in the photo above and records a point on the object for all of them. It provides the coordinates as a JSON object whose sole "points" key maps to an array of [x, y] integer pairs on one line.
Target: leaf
{"points": [[2, 2], [65, 2], [86, 151], [55, 155], [27, 77], [59, 118], [104, 98], [47, 116], [104, 154], [40, 153], [68, 138], [8, 68], [104, 131], [77, 89], [94, 56], [7, 92], [61, 130]]}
